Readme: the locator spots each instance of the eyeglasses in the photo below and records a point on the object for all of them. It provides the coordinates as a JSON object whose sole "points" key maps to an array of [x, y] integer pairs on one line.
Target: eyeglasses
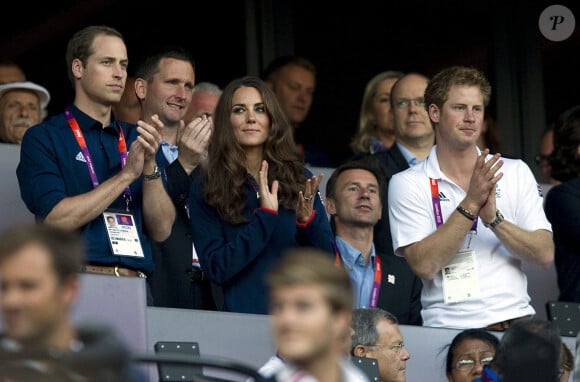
{"points": [[403, 103], [540, 159], [468, 363], [397, 348]]}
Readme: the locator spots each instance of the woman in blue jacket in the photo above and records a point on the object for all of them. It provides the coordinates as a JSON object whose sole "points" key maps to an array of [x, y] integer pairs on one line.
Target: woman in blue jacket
{"points": [[253, 198]]}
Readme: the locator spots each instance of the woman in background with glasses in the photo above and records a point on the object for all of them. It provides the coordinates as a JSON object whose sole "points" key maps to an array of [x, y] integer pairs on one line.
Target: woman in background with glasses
{"points": [[468, 352]]}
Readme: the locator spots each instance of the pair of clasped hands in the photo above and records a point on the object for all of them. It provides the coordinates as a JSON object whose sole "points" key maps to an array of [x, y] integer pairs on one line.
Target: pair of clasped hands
{"points": [[480, 198], [305, 205]]}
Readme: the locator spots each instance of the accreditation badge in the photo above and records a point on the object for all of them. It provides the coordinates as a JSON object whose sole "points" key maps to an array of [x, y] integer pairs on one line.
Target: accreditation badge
{"points": [[460, 281], [122, 233]]}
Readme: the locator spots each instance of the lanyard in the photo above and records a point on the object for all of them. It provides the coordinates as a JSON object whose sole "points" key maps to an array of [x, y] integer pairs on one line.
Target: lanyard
{"points": [[376, 279], [434, 183], [121, 144]]}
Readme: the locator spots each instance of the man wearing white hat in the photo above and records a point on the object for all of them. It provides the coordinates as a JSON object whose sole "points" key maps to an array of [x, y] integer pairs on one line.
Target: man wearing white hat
{"points": [[22, 105]]}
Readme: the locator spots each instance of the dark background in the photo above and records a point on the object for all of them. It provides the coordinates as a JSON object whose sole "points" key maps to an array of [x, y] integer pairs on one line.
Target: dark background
{"points": [[348, 44]]}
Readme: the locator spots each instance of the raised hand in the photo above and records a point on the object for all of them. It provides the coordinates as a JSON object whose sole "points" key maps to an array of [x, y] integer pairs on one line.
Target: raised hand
{"points": [[306, 199], [268, 197], [193, 140], [150, 136], [144, 148], [481, 190]]}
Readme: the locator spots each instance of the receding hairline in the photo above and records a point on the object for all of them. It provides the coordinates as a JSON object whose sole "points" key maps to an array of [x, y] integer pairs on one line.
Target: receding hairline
{"points": [[408, 76]]}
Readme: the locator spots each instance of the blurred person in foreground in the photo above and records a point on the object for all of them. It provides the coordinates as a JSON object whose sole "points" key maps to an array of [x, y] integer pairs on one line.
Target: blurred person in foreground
{"points": [[529, 351], [310, 302], [39, 285]]}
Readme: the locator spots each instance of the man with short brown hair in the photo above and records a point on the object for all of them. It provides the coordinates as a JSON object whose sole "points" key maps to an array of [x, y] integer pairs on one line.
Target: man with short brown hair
{"points": [[39, 283], [311, 310]]}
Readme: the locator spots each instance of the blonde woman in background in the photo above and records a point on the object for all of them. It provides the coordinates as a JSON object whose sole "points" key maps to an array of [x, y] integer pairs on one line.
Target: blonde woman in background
{"points": [[376, 131]]}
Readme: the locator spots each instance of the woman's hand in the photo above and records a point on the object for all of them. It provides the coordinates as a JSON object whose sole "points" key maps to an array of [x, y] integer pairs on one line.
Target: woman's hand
{"points": [[268, 197], [305, 204]]}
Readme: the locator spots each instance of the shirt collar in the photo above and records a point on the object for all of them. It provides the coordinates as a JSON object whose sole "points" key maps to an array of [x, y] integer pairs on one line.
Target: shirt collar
{"points": [[169, 152], [86, 122], [408, 155], [432, 164], [349, 255]]}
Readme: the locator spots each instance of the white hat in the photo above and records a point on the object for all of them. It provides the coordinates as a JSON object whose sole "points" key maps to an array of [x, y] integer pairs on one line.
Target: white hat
{"points": [[43, 94]]}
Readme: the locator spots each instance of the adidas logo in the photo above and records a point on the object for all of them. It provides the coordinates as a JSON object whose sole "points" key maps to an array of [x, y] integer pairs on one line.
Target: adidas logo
{"points": [[442, 197], [80, 157]]}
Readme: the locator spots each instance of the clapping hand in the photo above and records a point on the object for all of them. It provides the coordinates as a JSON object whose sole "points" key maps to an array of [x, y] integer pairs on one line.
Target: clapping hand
{"points": [[268, 197], [305, 204]]}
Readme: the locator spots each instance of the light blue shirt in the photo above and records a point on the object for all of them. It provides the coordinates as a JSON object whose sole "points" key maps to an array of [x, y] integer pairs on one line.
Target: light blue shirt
{"points": [[170, 152], [409, 157], [361, 276]]}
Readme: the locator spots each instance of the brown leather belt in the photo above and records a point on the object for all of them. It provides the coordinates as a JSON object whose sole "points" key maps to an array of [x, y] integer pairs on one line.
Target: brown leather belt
{"points": [[112, 271], [503, 325]]}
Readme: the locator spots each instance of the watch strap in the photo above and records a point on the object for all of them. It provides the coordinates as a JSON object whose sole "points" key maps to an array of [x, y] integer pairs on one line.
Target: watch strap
{"points": [[154, 175], [498, 219]]}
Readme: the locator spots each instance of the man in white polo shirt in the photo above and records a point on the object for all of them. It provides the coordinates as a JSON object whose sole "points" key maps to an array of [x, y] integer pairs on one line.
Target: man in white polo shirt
{"points": [[465, 219]]}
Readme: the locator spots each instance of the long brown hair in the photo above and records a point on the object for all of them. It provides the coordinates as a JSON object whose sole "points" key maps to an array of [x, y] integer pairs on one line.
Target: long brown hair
{"points": [[226, 174]]}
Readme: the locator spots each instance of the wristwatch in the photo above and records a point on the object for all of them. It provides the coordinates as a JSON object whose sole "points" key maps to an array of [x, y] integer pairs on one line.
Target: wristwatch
{"points": [[498, 219], [154, 175]]}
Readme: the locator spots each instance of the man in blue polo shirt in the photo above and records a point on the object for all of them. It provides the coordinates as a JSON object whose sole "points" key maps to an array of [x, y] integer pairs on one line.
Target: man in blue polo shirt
{"points": [[79, 168]]}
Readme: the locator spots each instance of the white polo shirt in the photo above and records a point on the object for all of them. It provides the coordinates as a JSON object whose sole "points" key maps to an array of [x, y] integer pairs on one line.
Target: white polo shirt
{"points": [[503, 285]]}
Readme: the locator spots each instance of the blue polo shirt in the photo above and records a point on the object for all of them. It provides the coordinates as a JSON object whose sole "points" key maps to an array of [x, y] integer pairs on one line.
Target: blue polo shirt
{"points": [[52, 168]]}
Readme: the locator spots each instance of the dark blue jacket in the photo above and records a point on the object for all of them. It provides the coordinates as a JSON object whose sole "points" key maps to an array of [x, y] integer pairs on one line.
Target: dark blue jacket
{"points": [[237, 257]]}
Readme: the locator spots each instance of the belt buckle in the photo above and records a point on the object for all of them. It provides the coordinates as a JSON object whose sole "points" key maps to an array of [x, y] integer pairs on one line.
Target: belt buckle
{"points": [[117, 271]]}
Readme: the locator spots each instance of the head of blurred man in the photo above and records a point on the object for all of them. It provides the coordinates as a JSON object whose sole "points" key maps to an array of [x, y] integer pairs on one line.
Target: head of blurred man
{"points": [[128, 109], [39, 282], [22, 105], [204, 99], [293, 80], [10, 71], [311, 307]]}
